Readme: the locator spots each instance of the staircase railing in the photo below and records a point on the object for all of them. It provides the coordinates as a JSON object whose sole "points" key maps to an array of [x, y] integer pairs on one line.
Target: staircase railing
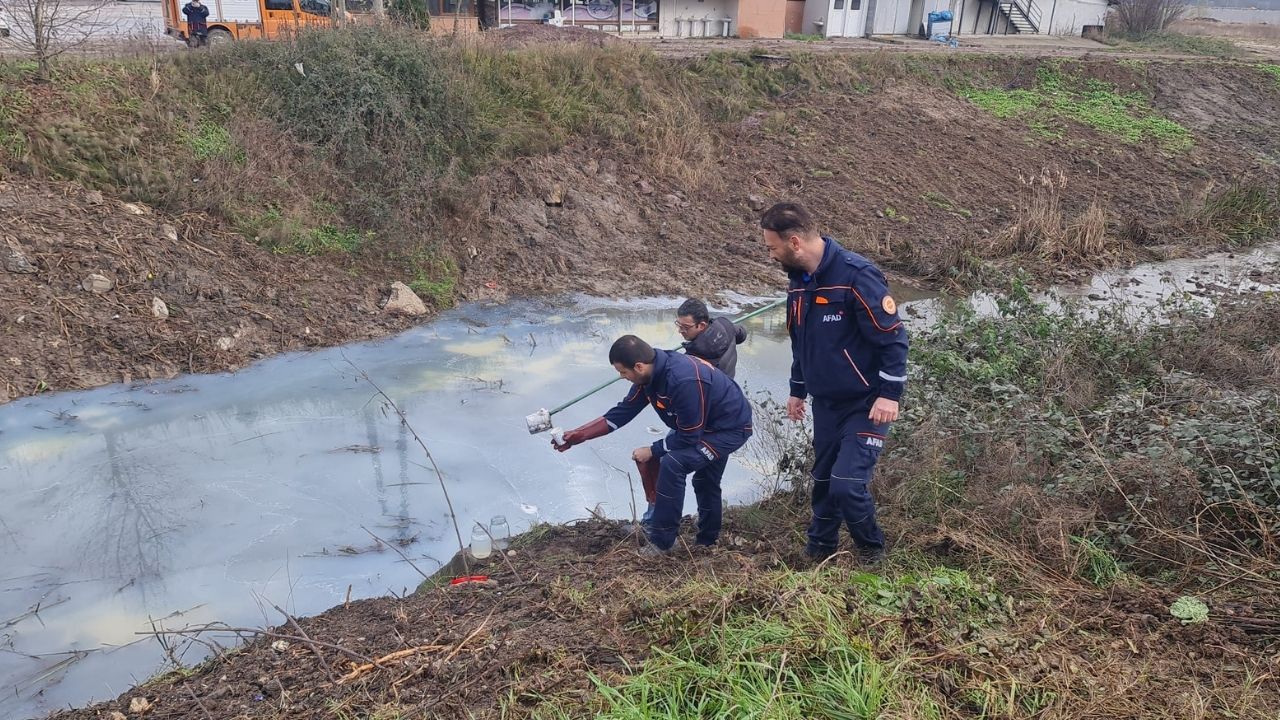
{"points": [[1028, 9]]}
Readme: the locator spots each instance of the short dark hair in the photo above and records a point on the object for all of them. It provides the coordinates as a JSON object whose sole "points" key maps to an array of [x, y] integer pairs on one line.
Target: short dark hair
{"points": [[629, 350], [787, 218], [694, 308]]}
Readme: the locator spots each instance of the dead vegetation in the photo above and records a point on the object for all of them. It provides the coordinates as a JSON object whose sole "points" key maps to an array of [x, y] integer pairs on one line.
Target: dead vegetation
{"points": [[1041, 227]]}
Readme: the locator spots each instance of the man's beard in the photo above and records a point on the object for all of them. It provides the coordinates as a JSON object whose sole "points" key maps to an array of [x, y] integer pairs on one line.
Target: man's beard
{"points": [[791, 265]]}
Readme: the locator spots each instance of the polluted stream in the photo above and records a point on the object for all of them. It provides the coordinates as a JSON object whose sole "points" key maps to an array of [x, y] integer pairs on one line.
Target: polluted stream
{"points": [[214, 498]]}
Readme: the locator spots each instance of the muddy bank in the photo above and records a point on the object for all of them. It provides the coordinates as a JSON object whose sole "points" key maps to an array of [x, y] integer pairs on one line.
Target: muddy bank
{"points": [[84, 274], [573, 601]]}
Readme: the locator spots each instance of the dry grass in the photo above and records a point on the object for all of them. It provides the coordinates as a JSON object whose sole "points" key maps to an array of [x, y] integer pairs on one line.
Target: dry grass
{"points": [[1042, 226], [1241, 349], [1244, 31]]}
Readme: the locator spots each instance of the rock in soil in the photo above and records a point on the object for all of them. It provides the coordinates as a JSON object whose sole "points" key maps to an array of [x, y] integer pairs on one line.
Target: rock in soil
{"points": [[555, 197], [404, 301], [15, 260], [97, 283], [159, 308]]}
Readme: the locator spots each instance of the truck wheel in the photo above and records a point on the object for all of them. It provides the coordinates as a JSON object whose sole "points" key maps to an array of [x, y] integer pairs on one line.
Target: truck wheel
{"points": [[219, 37]]}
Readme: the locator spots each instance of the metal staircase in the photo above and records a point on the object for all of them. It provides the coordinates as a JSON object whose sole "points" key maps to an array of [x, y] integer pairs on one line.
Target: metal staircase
{"points": [[1024, 16]]}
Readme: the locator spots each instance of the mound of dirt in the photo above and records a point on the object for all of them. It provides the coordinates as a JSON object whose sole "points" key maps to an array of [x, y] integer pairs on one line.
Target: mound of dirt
{"points": [[575, 603], [99, 291]]}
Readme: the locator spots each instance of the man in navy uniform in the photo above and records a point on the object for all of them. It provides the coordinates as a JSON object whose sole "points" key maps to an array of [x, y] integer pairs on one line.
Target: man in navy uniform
{"points": [[849, 353], [716, 342], [709, 418]]}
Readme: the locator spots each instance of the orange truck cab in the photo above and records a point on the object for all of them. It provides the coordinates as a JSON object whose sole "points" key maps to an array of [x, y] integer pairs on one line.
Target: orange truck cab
{"points": [[242, 19]]}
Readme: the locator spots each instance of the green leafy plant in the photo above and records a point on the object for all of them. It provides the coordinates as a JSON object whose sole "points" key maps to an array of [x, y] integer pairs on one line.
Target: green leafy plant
{"points": [[1057, 96], [1189, 610]]}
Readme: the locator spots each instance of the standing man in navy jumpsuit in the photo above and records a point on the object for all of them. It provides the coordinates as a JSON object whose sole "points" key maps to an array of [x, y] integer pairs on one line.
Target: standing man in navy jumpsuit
{"points": [[709, 418], [849, 353]]}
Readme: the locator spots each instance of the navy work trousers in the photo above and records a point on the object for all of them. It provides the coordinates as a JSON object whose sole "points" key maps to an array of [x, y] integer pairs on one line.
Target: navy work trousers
{"points": [[846, 447], [706, 461]]}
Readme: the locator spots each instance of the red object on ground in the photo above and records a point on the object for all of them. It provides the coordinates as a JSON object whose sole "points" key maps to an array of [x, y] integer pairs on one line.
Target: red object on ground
{"points": [[469, 578]]}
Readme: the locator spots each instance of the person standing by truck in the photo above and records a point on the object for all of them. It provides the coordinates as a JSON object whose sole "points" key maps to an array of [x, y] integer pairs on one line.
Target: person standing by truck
{"points": [[197, 23]]}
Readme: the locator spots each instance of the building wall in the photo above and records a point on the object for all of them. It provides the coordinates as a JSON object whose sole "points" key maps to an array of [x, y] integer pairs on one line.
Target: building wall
{"points": [[711, 10], [795, 16], [815, 10], [973, 17], [1070, 16], [761, 18]]}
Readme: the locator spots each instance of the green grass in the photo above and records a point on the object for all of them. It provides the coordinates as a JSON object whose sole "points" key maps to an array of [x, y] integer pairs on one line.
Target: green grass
{"points": [[1057, 97], [942, 202], [805, 660], [435, 278], [13, 102], [1173, 42], [804, 37], [325, 239], [1244, 213], [1272, 70], [1096, 564], [210, 140], [816, 653]]}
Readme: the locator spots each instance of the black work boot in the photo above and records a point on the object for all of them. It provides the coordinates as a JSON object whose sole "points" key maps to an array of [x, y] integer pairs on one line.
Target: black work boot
{"points": [[653, 552], [818, 554], [870, 557]]}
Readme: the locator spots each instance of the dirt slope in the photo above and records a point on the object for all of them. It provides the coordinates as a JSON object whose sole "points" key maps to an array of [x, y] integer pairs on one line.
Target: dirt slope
{"points": [[903, 170], [228, 300], [576, 600]]}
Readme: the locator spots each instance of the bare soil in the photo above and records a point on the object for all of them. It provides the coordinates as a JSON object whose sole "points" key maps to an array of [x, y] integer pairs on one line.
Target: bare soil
{"points": [[229, 300], [575, 600]]}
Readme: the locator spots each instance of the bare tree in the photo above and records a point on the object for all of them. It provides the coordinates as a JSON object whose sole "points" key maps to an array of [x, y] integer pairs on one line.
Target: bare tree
{"points": [[1143, 17], [45, 29]]}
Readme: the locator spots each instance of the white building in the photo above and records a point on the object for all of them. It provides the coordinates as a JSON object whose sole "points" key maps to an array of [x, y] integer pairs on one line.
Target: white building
{"points": [[859, 18]]}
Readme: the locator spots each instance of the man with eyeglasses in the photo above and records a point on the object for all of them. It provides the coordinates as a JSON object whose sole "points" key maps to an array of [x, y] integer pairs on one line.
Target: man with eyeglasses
{"points": [[715, 341]]}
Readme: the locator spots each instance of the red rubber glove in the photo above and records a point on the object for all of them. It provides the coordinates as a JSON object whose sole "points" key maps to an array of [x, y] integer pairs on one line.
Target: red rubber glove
{"points": [[579, 435]]}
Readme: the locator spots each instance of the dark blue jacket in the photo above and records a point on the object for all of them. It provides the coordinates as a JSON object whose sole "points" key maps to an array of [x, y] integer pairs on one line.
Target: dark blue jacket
{"points": [[692, 398], [847, 342], [196, 16]]}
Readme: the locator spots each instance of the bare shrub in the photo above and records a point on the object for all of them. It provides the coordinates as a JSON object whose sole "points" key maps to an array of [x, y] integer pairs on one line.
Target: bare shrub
{"points": [[1140, 18], [46, 29]]}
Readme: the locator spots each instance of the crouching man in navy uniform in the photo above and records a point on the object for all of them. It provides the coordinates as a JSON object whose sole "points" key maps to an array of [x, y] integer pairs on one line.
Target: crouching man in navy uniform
{"points": [[849, 353], [709, 418]]}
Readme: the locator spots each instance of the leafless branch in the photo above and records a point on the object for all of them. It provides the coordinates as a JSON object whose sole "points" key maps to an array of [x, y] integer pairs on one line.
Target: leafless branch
{"points": [[46, 29], [453, 516]]}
